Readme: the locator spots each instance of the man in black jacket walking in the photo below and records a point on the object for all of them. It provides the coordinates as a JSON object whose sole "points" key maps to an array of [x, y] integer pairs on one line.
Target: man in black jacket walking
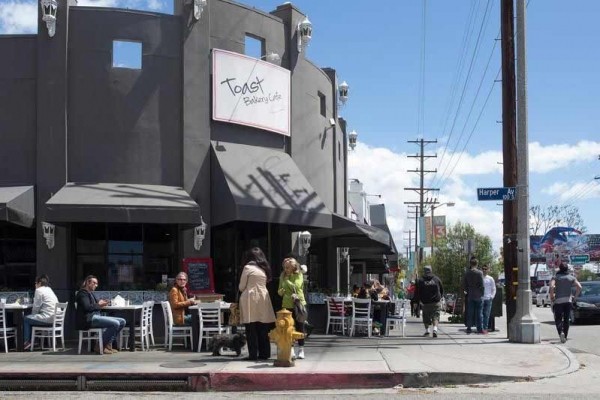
{"points": [[429, 292]]}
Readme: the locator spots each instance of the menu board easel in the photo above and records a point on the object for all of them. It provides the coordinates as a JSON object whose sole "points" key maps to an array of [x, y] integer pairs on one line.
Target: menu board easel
{"points": [[200, 275]]}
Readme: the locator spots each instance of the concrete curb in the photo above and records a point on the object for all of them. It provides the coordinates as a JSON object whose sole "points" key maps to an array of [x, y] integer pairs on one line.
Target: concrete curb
{"points": [[232, 382]]}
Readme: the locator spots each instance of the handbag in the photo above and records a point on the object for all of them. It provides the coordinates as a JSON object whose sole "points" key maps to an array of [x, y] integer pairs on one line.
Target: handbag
{"points": [[300, 310], [234, 315]]}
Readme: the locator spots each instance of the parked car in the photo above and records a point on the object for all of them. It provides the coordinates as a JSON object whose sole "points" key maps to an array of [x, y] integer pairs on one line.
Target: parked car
{"points": [[587, 305], [543, 297]]}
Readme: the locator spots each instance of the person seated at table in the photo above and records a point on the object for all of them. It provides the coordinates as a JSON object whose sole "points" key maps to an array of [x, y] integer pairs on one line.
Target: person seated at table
{"points": [[355, 290], [365, 292], [178, 298], [381, 290], [44, 302], [88, 316]]}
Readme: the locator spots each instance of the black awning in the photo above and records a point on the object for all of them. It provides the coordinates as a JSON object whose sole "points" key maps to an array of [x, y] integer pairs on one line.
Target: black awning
{"points": [[17, 205], [251, 183], [346, 232], [122, 202]]}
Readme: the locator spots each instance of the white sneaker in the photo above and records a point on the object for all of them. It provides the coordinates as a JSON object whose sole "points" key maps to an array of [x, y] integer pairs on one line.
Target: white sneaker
{"points": [[562, 338], [301, 353], [293, 354]]}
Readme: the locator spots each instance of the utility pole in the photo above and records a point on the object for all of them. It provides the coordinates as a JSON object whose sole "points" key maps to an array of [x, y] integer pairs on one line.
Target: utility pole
{"points": [[509, 151], [414, 209], [524, 327], [421, 190]]}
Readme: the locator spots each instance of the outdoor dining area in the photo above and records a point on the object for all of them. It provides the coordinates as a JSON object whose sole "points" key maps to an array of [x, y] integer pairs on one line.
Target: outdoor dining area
{"points": [[143, 323], [354, 316]]}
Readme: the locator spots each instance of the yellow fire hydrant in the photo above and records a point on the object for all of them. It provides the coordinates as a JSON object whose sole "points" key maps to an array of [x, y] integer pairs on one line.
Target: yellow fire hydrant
{"points": [[284, 336]]}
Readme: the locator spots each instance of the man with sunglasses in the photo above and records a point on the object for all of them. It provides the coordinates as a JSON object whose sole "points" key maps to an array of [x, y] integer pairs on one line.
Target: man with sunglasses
{"points": [[88, 315]]}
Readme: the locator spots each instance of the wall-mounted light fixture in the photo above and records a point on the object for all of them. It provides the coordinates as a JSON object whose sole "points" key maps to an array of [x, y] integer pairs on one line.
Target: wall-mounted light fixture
{"points": [[352, 136], [272, 57], [49, 9], [304, 238], [48, 230], [304, 34], [199, 6], [343, 89], [344, 253], [199, 234]]}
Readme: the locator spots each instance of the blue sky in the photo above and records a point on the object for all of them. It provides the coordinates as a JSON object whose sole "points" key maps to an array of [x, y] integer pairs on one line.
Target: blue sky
{"points": [[377, 48]]}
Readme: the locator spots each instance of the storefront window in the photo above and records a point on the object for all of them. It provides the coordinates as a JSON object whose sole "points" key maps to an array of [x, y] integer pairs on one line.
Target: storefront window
{"points": [[125, 256], [17, 257]]}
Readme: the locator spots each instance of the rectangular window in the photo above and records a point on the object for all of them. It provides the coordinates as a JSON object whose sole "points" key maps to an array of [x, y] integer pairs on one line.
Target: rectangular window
{"points": [[17, 257], [339, 151], [125, 256], [254, 46], [127, 54], [322, 104]]}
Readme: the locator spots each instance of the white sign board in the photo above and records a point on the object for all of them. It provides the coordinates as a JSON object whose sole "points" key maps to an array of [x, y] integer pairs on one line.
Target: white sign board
{"points": [[251, 92]]}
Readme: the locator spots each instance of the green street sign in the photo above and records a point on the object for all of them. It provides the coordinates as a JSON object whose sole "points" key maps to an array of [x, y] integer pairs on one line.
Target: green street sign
{"points": [[579, 259]]}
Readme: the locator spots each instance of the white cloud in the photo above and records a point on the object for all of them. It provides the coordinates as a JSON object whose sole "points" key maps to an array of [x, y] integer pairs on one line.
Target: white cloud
{"points": [[563, 191], [385, 172], [17, 17], [549, 158]]}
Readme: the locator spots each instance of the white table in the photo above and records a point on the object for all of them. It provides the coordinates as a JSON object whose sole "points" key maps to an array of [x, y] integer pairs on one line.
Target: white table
{"points": [[130, 313], [18, 312]]}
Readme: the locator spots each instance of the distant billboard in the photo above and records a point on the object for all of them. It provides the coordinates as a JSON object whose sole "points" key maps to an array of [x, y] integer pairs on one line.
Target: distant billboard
{"points": [[564, 242], [251, 92]]}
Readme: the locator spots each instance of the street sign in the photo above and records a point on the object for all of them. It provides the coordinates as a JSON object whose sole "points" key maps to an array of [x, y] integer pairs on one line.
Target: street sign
{"points": [[469, 246], [503, 193], [579, 259]]}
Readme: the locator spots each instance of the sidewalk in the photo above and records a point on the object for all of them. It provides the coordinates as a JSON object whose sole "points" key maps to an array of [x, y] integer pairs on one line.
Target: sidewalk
{"points": [[331, 362]]}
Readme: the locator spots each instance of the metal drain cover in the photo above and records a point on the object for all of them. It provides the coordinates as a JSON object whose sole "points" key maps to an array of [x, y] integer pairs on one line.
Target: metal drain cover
{"points": [[185, 364]]}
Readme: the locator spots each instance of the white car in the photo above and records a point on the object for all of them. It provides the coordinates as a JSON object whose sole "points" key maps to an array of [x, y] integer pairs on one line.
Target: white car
{"points": [[543, 297]]}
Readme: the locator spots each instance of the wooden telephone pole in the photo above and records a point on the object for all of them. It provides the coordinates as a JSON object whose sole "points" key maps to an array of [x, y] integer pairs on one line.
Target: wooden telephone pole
{"points": [[509, 151]]}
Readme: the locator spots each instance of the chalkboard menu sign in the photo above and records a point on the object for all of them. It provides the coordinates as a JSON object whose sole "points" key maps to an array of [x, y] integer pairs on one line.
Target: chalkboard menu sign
{"points": [[200, 275]]}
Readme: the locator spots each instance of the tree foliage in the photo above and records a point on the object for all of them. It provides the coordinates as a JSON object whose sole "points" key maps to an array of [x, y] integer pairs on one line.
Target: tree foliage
{"points": [[450, 261], [544, 218]]}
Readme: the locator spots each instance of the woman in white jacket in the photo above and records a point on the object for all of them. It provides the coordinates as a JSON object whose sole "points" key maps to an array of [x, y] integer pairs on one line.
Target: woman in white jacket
{"points": [[44, 302]]}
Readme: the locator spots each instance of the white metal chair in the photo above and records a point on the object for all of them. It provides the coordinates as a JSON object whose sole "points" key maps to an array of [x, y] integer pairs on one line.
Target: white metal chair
{"points": [[174, 331], [361, 316], [6, 333], [89, 336], [143, 330], [53, 331], [336, 315], [211, 322], [398, 318]]}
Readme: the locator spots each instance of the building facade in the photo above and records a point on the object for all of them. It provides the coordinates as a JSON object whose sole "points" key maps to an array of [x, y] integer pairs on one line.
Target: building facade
{"points": [[111, 170]]}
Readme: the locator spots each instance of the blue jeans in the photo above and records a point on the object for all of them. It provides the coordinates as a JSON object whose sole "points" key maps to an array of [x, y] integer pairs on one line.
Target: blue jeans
{"points": [[474, 315], [112, 326], [487, 310], [28, 322]]}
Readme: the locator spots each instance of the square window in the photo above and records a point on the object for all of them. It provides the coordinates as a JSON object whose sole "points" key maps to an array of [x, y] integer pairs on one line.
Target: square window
{"points": [[254, 46], [127, 54]]}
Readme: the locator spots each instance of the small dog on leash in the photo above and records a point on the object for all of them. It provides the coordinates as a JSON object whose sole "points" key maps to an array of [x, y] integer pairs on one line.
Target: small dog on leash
{"points": [[233, 342]]}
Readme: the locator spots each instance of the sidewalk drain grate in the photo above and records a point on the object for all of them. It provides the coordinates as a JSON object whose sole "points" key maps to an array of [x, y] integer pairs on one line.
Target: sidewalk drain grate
{"points": [[185, 364], [136, 385], [38, 384]]}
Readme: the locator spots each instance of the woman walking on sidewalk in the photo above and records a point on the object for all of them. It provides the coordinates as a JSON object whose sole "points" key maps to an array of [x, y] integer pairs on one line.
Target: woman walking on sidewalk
{"points": [[291, 284]]}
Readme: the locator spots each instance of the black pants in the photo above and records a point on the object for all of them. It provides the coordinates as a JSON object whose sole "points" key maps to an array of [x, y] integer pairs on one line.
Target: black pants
{"points": [[299, 326], [257, 335], [562, 313]]}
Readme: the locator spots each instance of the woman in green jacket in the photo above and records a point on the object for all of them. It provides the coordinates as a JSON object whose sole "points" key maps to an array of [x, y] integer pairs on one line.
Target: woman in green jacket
{"points": [[291, 284]]}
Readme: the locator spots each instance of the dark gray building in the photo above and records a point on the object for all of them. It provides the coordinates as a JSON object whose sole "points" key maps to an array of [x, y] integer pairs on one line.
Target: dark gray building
{"points": [[121, 164]]}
